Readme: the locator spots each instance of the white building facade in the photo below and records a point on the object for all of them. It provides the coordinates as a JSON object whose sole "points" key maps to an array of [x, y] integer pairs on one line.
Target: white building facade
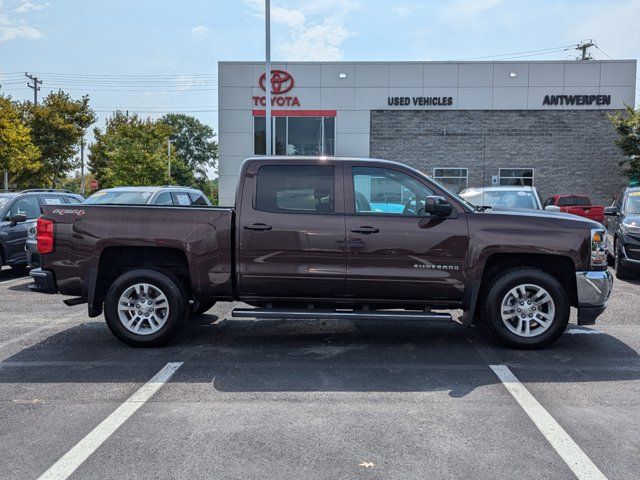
{"points": [[543, 123]]}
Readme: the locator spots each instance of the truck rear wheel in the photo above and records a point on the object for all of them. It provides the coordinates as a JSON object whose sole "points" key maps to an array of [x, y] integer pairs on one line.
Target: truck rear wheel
{"points": [[145, 308], [526, 308]]}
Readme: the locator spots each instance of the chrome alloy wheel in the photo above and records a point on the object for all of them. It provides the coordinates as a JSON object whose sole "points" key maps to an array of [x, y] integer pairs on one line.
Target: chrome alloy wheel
{"points": [[143, 309], [527, 310]]}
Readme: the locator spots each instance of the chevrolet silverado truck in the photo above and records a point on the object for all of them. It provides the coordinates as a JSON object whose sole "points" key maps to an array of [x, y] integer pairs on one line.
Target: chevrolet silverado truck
{"points": [[327, 237]]}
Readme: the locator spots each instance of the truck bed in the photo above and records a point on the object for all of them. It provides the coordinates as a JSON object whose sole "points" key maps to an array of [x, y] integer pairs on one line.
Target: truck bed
{"points": [[86, 235]]}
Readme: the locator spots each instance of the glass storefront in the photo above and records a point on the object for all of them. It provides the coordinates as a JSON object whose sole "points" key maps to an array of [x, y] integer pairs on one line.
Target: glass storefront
{"points": [[296, 135]]}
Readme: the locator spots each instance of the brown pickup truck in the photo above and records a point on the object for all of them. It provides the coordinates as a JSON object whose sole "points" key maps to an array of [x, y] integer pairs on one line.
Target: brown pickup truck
{"points": [[327, 238]]}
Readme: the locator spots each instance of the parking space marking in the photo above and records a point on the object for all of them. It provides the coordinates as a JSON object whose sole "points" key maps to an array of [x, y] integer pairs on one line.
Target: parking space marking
{"points": [[583, 331], [5, 282], [571, 453], [71, 460]]}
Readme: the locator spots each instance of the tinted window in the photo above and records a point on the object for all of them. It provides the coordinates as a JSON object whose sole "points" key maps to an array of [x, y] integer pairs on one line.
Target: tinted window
{"points": [[574, 201], [28, 206], [383, 191], [198, 199], [295, 189], [164, 199]]}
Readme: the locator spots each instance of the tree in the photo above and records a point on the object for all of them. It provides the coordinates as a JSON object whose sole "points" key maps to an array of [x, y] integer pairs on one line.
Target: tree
{"points": [[628, 127], [194, 143], [132, 151], [18, 154], [57, 126]]}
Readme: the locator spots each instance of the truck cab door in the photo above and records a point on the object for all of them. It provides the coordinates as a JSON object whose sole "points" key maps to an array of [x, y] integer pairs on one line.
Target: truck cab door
{"points": [[395, 251], [290, 228]]}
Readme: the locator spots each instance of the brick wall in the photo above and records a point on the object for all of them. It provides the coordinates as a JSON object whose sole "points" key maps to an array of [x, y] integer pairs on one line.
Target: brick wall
{"points": [[572, 151]]}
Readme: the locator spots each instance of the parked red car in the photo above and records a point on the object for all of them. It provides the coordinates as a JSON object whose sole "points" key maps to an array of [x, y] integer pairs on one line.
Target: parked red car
{"points": [[576, 205]]}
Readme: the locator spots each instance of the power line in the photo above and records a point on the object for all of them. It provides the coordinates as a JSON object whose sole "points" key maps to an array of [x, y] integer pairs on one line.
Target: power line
{"points": [[540, 51]]}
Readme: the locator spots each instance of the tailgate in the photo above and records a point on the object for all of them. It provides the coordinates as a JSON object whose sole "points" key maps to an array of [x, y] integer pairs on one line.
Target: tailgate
{"points": [[592, 212]]}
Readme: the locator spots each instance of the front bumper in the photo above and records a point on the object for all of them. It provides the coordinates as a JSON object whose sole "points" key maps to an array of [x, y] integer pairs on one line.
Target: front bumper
{"points": [[43, 281], [593, 288]]}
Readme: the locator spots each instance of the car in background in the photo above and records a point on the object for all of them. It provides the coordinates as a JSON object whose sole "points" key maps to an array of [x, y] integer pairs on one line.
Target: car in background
{"points": [[167, 195], [18, 213], [575, 205], [508, 197], [623, 232]]}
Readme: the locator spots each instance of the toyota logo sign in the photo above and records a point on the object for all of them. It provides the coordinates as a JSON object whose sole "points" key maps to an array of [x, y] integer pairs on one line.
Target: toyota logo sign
{"points": [[281, 81]]}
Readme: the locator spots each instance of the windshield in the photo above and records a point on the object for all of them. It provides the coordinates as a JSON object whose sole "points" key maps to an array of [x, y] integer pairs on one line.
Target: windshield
{"points": [[572, 201], [510, 199], [463, 201], [4, 199], [120, 197], [633, 204]]}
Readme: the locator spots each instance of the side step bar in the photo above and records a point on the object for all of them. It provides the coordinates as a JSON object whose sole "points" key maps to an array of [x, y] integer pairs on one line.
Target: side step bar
{"points": [[333, 314]]}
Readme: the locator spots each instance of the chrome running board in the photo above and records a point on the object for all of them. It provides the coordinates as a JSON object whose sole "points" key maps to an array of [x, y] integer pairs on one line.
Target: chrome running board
{"points": [[340, 314]]}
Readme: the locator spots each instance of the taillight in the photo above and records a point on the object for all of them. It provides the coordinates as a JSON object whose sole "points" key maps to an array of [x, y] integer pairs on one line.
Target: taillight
{"points": [[44, 236]]}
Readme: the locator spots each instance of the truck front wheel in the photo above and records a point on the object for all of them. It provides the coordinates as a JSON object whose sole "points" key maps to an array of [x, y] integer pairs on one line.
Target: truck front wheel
{"points": [[526, 308], [145, 308]]}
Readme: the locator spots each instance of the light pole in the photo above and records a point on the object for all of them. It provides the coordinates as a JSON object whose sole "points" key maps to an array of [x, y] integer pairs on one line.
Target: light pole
{"points": [[267, 74], [169, 157]]}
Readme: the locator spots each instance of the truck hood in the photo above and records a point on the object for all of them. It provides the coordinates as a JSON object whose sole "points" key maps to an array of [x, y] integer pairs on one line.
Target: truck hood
{"points": [[528, 213]]}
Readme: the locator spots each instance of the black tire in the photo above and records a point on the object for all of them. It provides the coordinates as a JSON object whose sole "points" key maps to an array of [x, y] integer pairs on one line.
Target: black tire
{"points": [[203, 307], [622, 271], [502, 284], [176, 299]]}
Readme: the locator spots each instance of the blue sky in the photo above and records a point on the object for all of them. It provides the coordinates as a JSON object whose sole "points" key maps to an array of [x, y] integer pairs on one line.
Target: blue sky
{"points": [[161, 38]]}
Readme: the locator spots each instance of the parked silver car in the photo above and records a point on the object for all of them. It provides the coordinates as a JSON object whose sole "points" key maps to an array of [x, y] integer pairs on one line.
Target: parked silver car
{"points": [[508, 197]]}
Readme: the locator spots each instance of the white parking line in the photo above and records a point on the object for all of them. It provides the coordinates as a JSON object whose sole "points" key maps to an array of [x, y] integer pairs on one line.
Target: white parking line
{"points": [[583, 331], [4, 282], [571, 453], [89, 444]]}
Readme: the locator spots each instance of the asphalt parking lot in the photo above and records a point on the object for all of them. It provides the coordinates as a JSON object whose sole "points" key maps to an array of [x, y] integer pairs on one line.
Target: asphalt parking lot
{"points": [[243, 399]]}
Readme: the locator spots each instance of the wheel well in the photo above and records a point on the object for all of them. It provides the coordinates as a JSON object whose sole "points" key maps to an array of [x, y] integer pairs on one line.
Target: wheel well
{"points": [[114, 261], [560, 267]]}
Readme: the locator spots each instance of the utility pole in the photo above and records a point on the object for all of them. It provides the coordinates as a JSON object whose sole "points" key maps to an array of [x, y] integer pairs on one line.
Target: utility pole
{"points": [[267, 74], [583, 47], [35, 87], [6, 180], [82, 166], [169, 157]]}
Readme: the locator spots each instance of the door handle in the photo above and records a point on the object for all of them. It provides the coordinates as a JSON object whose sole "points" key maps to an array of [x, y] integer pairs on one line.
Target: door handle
{"points": [[365, 229], [259, 227]]}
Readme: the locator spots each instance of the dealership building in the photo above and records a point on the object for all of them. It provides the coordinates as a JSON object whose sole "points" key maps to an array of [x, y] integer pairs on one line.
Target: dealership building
{"points": [[542, 123]]}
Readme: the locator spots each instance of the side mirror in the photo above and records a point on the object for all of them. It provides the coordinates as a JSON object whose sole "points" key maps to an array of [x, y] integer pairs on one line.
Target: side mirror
{"points": [[438, 206], [18, 218], [611, 211], [552, 208]]}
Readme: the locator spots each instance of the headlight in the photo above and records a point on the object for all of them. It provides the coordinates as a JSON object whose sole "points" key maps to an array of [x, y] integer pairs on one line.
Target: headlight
{"points": [[598, 248], [631, 227]]}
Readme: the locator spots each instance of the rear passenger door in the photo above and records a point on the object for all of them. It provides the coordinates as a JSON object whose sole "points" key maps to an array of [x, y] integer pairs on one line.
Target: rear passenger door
{"points": [[291, 233]]}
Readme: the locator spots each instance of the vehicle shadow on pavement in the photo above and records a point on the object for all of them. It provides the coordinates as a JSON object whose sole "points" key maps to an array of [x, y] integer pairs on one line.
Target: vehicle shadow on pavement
{"points": [[318, 356]]}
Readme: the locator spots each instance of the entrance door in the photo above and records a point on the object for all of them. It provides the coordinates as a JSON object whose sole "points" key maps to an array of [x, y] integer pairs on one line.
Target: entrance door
{"points": [[291, 231], [395, 250]]}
